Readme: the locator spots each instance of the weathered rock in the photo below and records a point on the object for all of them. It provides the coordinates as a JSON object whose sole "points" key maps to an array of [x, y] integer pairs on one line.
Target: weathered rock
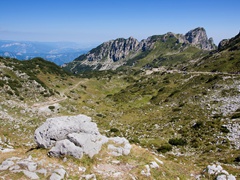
{"points": [[88, 177], [30, 175], [154, 165], [159, 161], [225, 177], [15, 167], [91, 143], [42, 171], [198, 37], [219, 172], [55, 176], [61, 172], [123, 146], [66, 147], [6, 164], [27, 164], [55, 129], [76, 135], [214, 169], [147, 172]]}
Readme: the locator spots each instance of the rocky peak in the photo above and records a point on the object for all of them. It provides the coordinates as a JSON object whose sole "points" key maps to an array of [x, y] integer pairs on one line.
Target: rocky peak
{"points": [[113, 50], [198, 37], [230, 42]]}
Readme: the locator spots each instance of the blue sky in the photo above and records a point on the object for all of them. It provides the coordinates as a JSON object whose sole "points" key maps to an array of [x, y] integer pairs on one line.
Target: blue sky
{"points": [[95, 21]]}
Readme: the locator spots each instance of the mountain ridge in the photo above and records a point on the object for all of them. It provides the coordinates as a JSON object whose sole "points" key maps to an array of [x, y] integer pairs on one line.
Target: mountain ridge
{"points": [[115, 53]]}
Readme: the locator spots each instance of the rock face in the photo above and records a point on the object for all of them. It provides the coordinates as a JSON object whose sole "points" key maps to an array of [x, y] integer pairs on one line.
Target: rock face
{"points": [[75, 136], [115, 53], [198, 37]]}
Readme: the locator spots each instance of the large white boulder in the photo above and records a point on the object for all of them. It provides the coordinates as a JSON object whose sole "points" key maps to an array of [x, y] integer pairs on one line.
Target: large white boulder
{"points": [[75, 136], [55, 129]]}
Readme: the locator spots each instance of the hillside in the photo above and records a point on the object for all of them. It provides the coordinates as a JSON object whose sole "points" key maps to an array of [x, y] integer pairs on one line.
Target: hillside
{"points": [[224, 59], [180, 113], [148, 52]]}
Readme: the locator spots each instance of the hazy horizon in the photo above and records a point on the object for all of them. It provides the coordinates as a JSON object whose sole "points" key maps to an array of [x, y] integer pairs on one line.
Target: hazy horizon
{"points": [[93, 22]]}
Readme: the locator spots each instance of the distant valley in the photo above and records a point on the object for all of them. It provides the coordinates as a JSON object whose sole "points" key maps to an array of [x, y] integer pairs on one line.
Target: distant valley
{"points": [[57, 52]]}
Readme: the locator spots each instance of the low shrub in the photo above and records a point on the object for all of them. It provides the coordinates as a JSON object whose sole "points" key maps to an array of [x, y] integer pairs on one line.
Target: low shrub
{"points": [[164, 148], [177, 142], [51, 108]]}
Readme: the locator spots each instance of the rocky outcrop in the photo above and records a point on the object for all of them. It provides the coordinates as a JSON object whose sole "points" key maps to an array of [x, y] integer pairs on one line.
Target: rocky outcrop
{"points": [[232, 43], [75, 136], [223, 44], [109, 54], [198, 37]]}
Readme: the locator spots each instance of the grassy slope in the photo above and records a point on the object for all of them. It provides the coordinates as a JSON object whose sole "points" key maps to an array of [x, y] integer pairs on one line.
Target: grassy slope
{"points": [[152, 109]]}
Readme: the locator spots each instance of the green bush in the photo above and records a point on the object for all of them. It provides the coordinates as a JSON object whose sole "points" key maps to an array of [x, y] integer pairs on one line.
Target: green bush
{"points": [[114, 130], [9, 92], [237, 159], [198, 125], [164, 148], [224, 129], [235, 116], [51, 108], [177, 142]]}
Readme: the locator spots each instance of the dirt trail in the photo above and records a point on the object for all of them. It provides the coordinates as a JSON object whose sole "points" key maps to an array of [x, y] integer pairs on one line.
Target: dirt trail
{"points": [[52, 101]]}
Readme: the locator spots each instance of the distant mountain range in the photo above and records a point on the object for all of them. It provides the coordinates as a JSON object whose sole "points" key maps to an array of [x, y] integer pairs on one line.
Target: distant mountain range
{"points": [[57, 52], [147, 52]]}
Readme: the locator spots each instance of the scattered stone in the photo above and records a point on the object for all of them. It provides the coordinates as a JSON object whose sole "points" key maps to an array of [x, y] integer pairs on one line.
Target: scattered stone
{"points": [[27, 164], [6, 164], [61, 172], [119, 150], [30, 175], [159, 161], [147, 172], [15, 167], [6, 150], [116, 162], [82, 169], [55, 176], [117, 174], [65, 159], [219, 172], [214, 169], [58, 174], [154, 165], [89, 177], [42, 171]]}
